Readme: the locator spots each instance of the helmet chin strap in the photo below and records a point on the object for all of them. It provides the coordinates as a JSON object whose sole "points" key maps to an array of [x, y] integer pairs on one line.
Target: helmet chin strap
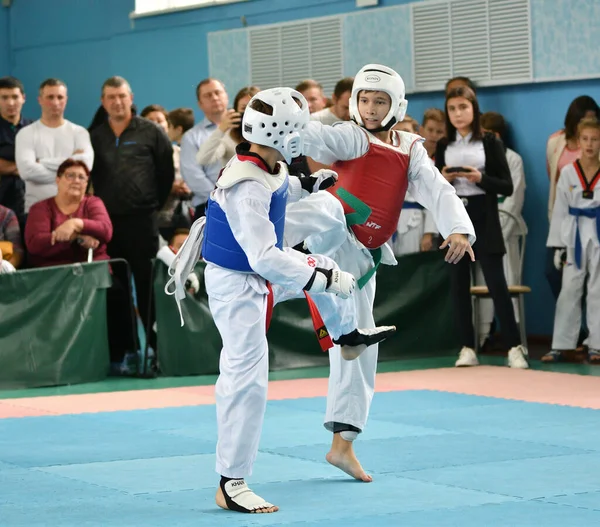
{"points": [[385, 128]]}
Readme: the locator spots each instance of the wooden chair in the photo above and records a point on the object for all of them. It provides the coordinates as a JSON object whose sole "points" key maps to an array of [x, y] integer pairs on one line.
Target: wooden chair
{"points": [[516, 291]]}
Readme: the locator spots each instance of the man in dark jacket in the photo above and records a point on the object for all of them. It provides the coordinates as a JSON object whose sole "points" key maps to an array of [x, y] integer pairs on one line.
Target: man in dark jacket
{"points": [[133, 174], [12, 187]]}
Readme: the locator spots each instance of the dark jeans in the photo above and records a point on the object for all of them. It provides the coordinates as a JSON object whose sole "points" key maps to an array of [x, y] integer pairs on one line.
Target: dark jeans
{"points": [[122, 330], [135, 238]]}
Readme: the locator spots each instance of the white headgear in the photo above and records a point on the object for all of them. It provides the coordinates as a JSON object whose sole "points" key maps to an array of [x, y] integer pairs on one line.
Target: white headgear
{"points": [[380, 78], [284, 130]]}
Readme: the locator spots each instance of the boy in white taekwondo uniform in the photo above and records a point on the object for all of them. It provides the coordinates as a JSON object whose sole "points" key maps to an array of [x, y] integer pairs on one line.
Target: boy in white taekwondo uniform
{"points": [[248, 271], [376, 166], [575, 234]]}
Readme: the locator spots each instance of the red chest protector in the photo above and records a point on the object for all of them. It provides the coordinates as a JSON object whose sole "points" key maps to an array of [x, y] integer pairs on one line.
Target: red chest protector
{"points": [[371, 189]]}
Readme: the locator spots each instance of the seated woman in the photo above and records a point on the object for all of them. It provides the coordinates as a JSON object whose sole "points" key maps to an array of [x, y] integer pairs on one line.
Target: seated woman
{"points": [[61, 230]]}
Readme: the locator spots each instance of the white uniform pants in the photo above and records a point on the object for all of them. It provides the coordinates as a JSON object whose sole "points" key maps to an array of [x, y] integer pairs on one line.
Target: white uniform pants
{"points": [[319, 219], [238, 303], [567, 319]]}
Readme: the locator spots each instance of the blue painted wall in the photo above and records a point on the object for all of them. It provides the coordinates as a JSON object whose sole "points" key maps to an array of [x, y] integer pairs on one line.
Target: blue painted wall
{"points": [[4, 42], [164, 57]]}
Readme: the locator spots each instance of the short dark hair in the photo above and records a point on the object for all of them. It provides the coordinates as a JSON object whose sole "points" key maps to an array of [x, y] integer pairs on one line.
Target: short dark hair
{"points": [[307, 84], [183, 117], [342, 86], [204, 82], [577, 110], [115, 82], [494, 122], [52, 82], [154, 108], [69, 163], [11, 83], [465, 80], [469, 94]]}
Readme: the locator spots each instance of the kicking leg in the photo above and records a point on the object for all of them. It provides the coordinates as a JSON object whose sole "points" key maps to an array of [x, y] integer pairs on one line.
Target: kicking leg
{"points": [[317, 220], [339, 315]]}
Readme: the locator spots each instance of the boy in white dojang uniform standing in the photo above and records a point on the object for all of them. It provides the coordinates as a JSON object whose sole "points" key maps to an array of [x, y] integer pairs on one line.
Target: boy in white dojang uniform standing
{"points": [[376, 166], [248, 271], [574, 234]]}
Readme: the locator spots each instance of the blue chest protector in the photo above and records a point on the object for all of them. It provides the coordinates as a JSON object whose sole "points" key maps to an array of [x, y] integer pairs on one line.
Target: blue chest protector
{"points": [[220, 246]]}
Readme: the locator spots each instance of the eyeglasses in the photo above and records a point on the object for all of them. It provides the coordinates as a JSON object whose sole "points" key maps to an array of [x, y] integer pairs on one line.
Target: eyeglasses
{"points": [[75, 177]]}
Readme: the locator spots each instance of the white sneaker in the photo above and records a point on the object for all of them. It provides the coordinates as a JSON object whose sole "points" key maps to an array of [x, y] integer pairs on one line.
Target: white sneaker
{"points": [[467, 357], [516, 357]]}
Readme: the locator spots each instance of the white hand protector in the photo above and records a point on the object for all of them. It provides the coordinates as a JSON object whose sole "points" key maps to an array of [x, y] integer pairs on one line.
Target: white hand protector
{"points": [[333, 281], [323, 179], [342, 284], [560, 256], [192, 283]]}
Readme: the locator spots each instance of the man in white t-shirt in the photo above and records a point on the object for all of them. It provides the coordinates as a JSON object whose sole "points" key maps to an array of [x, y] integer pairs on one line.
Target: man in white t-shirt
{"points": [[41, 147], [340, 110]]}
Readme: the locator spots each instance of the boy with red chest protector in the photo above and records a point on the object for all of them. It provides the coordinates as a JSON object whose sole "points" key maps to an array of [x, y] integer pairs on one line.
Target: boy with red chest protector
{"points": [[376, 166]]}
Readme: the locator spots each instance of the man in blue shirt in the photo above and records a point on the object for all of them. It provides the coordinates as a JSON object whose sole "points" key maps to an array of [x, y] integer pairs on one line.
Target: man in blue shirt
{"points": [[201, 179], [12, 187]]}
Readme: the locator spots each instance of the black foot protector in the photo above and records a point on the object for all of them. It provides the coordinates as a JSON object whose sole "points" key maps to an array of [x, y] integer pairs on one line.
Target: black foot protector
{"points": [[356, 342]]}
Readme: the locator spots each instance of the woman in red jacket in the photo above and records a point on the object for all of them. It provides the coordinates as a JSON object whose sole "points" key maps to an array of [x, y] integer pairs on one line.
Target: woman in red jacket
{"points": [[62, 229]]}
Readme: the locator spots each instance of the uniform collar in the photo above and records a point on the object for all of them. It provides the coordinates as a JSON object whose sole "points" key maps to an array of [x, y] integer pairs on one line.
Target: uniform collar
{"points": [[243, 154]]}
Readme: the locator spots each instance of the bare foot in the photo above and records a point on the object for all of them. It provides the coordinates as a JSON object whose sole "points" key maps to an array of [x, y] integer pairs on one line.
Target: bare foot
{"points": [[343, 457], [247, 501]]}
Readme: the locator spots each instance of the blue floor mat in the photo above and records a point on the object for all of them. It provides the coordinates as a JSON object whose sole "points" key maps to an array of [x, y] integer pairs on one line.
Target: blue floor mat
{"points": [[438, 459]]}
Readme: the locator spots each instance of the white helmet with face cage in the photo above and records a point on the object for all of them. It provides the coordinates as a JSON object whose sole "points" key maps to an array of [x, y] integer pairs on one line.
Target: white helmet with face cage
{"points": [[284, 129]]}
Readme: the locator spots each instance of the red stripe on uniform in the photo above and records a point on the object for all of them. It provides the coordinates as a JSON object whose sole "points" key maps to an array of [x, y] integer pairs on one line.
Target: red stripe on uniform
{"points": [[320, 329], [579, 171], [270, 303], [256, 160]]}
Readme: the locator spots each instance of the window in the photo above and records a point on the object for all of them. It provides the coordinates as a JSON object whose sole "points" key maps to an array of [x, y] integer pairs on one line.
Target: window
{"points": [[158, 7]]}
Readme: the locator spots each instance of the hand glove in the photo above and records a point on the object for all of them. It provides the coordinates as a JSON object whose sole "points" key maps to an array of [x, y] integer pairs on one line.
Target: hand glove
{"points": [[560, 257], [192, 283], [323, 179], [320, 180], [333, 281]]}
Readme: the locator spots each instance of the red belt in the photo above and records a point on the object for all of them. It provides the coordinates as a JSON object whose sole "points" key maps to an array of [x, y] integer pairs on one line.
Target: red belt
{"points": [[320, 329]]}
